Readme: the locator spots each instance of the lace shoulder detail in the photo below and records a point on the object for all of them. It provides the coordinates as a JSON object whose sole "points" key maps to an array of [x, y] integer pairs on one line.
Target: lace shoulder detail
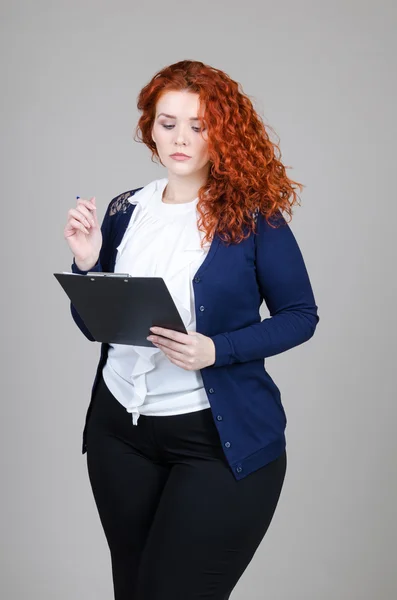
{"points": [[120, 203]]}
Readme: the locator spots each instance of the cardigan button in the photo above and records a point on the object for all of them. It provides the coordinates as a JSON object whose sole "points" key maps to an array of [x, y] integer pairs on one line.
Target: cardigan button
{"points": [[211, 390], [239, 469], [202, 308], [197, 279], [219, 417], [227, 444]]}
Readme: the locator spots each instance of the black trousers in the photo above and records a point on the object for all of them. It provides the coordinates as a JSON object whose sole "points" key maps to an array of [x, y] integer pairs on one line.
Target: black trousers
{"points": [[179, 526]]}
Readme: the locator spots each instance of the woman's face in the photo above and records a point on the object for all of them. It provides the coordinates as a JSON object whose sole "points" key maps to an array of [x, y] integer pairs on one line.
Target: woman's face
{"points": [[176, 128]]}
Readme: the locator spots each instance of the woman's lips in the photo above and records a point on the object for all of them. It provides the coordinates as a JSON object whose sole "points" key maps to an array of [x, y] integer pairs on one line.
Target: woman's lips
{"points": [[176, 157]]}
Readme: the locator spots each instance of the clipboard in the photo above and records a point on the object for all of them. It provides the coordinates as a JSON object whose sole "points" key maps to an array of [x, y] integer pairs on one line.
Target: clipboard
{"points": [[118, 308]]}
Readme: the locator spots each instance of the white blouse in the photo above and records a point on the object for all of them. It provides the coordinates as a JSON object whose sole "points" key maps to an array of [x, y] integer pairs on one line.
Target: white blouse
{"points": [[161, 240]]}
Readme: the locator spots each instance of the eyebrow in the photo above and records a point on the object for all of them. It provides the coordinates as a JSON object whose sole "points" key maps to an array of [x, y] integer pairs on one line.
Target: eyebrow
{"points": [[173, 117]]}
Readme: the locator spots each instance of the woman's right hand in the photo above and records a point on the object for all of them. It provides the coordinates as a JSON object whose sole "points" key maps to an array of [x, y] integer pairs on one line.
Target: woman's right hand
{"points": [[83, 233]]}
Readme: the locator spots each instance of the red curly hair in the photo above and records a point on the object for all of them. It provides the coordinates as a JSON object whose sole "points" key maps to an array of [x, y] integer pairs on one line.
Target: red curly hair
{"points": [[246, 173]]}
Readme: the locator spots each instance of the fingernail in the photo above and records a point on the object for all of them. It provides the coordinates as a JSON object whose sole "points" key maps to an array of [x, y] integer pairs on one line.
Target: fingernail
{"points": [[77, 197]]}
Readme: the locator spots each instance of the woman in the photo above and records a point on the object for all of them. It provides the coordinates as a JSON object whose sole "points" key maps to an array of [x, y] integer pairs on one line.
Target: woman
{"points": [[185, 438]]}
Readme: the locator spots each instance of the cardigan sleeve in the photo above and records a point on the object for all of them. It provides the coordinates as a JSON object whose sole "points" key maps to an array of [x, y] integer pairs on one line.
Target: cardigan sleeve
{"points": [[286, 289], [116, 207]]}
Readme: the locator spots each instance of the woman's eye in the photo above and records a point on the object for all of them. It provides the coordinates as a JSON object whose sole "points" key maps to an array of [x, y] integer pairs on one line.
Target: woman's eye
{"points": [[196, 129]]}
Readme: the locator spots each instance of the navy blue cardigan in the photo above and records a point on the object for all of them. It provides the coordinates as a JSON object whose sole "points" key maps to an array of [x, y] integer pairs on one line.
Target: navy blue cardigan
{"points": [[230, 286]]}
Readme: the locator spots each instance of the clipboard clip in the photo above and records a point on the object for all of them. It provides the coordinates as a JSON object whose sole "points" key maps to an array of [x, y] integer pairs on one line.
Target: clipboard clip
{"points": [[102, 274]]}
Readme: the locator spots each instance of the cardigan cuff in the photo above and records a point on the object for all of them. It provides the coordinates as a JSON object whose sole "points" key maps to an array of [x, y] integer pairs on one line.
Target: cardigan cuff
{"points": [[75, 269], [223, 350]]}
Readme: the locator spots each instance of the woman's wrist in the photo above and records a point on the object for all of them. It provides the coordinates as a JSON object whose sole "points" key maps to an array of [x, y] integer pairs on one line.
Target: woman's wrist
{"points": [[85, 265]]}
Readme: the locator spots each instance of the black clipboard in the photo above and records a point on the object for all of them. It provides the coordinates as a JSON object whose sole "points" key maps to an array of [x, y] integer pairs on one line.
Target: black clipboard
{"points": [[120, 309]]}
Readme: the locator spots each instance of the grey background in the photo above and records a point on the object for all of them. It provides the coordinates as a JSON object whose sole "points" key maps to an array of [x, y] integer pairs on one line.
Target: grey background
{"points": [[323, 76]]}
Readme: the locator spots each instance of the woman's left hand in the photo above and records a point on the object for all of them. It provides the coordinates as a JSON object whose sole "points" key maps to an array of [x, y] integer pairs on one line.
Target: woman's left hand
{"points": [[191, 351]]}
